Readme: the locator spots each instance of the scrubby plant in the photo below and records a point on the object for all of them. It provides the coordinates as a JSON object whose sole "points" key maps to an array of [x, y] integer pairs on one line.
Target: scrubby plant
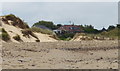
{"points": [[4, 35], [17, 37], [27, 32]]}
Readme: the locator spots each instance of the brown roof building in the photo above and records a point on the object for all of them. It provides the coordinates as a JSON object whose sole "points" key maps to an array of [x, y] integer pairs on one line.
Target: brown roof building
{"points": [[70, 29]]}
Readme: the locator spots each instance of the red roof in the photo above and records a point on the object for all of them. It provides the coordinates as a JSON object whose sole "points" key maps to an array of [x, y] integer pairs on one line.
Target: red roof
{"points": [[70, 28]]}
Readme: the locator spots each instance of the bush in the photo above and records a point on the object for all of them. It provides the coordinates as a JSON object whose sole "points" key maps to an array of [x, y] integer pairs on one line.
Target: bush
{"points": [[5, 36], [17, 37], [44, 31], [37, 40], [66, 36], [27, 32], [48, 24]]}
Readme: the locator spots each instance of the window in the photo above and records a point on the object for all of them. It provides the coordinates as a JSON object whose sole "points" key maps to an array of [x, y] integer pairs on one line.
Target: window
{"points": [[71, 28]]}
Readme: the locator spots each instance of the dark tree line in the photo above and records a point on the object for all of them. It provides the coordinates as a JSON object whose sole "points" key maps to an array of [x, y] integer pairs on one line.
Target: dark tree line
{"points": [[86, 28], [47, 24]]}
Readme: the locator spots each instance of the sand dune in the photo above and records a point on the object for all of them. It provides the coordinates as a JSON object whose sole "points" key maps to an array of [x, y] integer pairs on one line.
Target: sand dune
{"points": [[13, 31]]}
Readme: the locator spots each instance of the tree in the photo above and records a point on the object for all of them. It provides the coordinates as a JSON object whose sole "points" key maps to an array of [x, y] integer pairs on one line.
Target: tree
{"points": [[48, 24], [111, 27], [59, 25], [90, 29], [118, 25]]}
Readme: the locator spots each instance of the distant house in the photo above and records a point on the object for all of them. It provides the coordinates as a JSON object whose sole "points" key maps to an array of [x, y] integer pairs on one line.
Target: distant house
{"points": [[69, 29], [57, 31]]}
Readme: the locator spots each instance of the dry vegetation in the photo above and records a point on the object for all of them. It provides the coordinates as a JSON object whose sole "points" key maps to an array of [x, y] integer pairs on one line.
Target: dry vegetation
{"points": [[28, 32], [44, 31], [15, 21], [17, 37]]}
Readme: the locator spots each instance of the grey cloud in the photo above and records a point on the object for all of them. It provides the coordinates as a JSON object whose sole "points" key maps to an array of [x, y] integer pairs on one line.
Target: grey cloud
{"points": [[98, 14]]}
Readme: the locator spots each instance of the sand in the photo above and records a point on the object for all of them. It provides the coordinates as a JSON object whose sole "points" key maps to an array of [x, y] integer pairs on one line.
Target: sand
{"points": [[61, 55]]}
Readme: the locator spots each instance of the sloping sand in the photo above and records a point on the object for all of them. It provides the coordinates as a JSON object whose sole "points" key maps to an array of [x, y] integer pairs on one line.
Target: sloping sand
{"points": [[45, 37]]}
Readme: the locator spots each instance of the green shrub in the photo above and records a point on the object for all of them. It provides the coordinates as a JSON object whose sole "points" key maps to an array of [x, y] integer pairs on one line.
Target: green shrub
{"points": [[17, 37], [48, 24], [5, 36], [66, 36]]}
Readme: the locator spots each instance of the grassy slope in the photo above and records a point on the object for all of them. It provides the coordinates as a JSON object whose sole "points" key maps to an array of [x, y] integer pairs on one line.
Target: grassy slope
{"points": [[45, 31], [108, 34], [112, 33]]}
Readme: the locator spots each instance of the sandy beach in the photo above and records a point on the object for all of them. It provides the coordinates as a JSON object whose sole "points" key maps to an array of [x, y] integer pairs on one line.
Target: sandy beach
{"points": [[61, 55]]}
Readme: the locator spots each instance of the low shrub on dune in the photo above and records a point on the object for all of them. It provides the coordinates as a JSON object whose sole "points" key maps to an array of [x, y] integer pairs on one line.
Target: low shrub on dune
{"points": [[17, 37], [28, 32], [4, 35]]}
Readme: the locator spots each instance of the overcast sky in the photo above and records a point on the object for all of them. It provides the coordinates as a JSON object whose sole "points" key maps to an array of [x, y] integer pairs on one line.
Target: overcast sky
{"points": [[98, 14], [59, 0]]}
